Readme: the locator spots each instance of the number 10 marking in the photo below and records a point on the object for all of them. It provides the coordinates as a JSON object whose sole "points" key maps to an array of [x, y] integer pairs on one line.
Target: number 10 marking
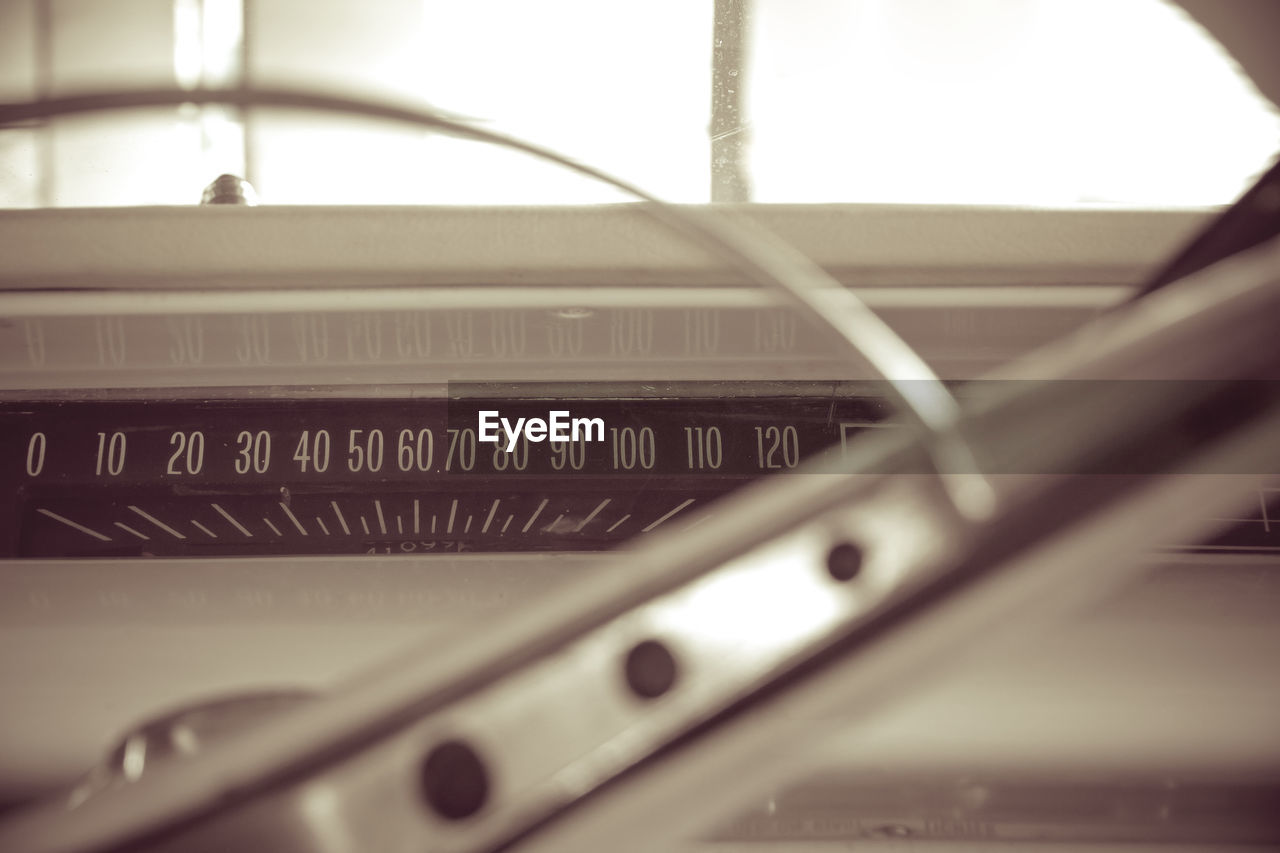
{"points": [[114, 452]]}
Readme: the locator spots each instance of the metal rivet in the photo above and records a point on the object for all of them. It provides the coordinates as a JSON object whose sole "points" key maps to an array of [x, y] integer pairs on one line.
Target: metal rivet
{"points": [[229, 189], [650, 669], [454, 780], [844, 561]]}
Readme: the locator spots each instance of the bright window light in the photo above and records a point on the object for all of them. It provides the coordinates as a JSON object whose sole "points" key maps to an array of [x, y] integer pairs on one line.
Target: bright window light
{"points": [[1017, 102]]}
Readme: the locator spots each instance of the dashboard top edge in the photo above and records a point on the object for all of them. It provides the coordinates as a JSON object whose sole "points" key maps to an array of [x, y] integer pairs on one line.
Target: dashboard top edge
{"points": [[29, 301], [100, 244], [603, 390], [882, 281], [846, 208]]}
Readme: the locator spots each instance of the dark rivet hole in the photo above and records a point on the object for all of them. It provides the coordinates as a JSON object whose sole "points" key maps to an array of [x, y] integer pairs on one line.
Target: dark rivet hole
{"points": [[650, 669], [454, 780], [844, 562]]}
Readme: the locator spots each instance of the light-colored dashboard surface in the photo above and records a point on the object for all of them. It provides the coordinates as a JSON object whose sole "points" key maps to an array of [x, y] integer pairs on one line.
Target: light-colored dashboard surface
{"points": [[156, 298], [1172, 672], [88, 648], [597, 246]]}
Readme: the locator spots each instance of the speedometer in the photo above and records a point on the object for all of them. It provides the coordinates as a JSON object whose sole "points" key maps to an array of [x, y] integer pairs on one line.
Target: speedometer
{"points": [[401, 474], [263, 403], [417, 473]]}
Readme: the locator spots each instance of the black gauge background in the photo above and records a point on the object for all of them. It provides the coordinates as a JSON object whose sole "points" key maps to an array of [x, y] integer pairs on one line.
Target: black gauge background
{"points": [[161, 496], [706, 441]]}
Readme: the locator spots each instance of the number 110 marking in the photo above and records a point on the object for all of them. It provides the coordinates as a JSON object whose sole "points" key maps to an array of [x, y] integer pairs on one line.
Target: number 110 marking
{"points": [[704, 447]]}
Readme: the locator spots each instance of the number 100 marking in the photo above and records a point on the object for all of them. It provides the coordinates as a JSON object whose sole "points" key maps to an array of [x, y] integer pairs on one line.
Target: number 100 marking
{"points": [[631, 447]]}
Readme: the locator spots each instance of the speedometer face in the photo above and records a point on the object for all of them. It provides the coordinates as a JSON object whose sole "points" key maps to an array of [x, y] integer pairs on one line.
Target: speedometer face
{"points": [[282, 475], [391, 476]]}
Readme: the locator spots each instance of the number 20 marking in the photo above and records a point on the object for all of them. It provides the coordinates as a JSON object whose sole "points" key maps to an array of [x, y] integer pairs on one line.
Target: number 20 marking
{"points": [[193, 444]]}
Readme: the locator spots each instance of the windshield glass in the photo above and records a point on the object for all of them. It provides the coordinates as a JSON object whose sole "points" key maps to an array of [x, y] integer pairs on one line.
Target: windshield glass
{"points": [[1025, 102]]}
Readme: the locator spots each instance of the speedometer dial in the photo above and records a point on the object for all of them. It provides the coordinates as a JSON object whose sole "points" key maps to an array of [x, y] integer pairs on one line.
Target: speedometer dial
{"points": [[407, 475], [527, 469]]}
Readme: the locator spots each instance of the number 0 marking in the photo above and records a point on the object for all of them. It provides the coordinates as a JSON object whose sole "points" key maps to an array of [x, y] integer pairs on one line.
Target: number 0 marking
{"points": [[35, 454]]}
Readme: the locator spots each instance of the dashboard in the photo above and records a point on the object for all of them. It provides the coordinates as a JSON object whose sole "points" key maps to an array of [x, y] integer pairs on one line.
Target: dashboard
{"points": [[256, 448]]}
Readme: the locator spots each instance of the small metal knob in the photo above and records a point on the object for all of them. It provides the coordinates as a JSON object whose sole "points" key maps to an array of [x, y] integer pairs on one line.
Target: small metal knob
{"points": [[181, 733], [230, 189]]}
